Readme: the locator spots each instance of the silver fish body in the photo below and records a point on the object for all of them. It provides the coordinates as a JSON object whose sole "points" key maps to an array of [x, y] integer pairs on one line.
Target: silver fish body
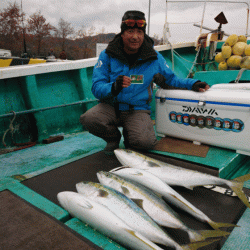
{"points": [[103, 220], [178, 176], [154, 206], [126, 210], [157, 185], [143, 196]]}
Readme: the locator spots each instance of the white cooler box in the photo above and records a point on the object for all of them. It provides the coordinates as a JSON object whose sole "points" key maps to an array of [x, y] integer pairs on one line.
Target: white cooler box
{"points": [[219, 116]]}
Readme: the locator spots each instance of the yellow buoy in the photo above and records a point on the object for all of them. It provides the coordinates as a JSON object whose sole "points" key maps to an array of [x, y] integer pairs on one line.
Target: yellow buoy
{"points": [[231, 40], [247, 50], [239, 48], [234, 61], [222, 66], [245, 62], [219, 58], [226, 51], [242, 38]]}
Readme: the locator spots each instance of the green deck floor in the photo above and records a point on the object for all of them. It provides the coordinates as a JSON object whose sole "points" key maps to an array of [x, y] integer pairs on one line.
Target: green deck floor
{"points": [[24, 164]]}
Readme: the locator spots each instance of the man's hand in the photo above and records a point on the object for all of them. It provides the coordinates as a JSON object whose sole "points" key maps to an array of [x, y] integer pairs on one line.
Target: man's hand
{"points": [[126, 81], [160, 80], [120, 83], [200, 86]]}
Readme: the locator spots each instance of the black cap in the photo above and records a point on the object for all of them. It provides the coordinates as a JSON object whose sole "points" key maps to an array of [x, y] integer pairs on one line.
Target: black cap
{"points": [[134, 15]]}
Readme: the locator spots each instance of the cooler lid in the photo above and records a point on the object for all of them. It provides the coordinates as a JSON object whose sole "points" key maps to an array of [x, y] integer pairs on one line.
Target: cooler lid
{"points": [[215, 95]]}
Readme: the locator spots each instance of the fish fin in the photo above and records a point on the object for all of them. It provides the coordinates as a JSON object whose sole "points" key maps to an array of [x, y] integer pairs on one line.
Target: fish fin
{"points": [[103, 193], [184, 203], [197, 245], [138, 202], [85, 204], [144, 240], [189, 187], [124, 190], [237, 185], [153, 164], [137, 173], [118, 168], [217, 225]]}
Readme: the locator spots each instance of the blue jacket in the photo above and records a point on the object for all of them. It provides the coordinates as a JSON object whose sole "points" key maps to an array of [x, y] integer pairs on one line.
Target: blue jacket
{"points": [[113, 62]]}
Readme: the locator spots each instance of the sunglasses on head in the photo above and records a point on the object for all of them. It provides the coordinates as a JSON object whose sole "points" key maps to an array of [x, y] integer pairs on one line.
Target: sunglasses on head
{"points": [[131, 23]]}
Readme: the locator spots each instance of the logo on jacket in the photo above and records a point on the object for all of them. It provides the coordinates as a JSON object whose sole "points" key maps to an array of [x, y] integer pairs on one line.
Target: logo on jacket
{"points": [[99, 64]]}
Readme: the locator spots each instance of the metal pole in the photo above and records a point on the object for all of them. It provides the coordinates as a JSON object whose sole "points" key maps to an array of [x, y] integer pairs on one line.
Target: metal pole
{"points": [[203, 14], [206, 28], [48, 108], [24, 41], [218, 1], [149, 15]]}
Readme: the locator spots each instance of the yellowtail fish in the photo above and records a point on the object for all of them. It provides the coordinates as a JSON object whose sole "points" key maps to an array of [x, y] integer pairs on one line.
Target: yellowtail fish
{"points": [[103, 220], [153, 205], [126, 210], [157, 185], [131, 214], [178, 176]]}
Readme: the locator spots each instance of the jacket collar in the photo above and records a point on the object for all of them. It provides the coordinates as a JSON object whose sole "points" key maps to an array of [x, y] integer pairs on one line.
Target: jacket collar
{"points": [[146, 52]]}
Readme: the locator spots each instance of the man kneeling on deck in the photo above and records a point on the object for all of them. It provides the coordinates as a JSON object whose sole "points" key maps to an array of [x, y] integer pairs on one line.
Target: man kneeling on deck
{"points": [[123, 82]]}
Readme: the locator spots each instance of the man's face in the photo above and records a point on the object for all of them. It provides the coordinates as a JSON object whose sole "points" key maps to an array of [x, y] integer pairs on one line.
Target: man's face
{"points": [[132, 40]]}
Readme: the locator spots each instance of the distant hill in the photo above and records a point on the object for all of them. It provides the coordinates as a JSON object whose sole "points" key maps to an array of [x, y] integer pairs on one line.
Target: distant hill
{"points": [[76, 49]]}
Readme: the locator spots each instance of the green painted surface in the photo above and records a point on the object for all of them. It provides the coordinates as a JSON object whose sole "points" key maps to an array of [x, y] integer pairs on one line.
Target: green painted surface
{"points": [[43, 91], [93, 235], [218, 158], [32, 97], [12, 99], [242, 170], [240, 237], [34, 198], [58, 88], [44, 157], [182, 62], [215, 77]]}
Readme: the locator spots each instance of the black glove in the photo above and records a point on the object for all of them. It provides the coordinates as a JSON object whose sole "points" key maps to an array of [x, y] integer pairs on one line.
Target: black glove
{"points": [[199, 85], [160, 80], [117, 86]]}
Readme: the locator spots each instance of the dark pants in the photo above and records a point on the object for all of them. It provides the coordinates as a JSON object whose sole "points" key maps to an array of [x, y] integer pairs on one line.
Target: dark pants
{"points": [[138, 130]]}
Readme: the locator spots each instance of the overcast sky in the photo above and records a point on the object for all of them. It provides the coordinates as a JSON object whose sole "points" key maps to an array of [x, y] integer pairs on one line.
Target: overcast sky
{"points": [[107, 14]]}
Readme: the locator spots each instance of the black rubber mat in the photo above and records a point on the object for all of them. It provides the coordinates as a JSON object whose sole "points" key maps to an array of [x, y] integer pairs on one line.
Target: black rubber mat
{"points": [[216, 206], [23, 226]]}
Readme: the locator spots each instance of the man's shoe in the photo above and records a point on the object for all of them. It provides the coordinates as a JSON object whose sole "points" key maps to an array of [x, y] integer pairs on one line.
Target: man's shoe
{"points": [[110, 147]]}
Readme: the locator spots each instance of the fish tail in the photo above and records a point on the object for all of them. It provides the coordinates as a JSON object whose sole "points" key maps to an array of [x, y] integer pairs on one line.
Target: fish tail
{"points": [[237, 185], [195, 236], [213, 233], [202, 235], [217, 225], [197, 245]]}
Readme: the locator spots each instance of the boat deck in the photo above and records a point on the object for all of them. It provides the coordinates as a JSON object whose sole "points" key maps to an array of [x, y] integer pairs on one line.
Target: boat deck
{"points": [[31, 179]]}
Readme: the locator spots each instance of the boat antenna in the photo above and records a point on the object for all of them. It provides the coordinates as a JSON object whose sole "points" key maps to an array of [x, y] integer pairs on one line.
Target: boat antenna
{"points": [[24, 41], [149, 7]]}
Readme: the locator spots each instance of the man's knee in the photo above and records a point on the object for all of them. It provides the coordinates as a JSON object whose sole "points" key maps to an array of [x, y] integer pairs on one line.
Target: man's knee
{"points": [[87, 119], [143, 143], [84, 119]]}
